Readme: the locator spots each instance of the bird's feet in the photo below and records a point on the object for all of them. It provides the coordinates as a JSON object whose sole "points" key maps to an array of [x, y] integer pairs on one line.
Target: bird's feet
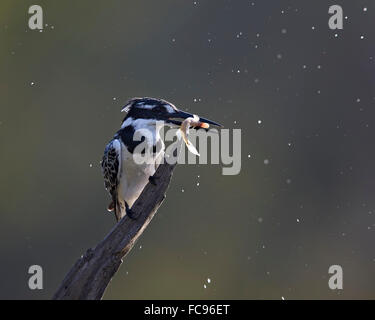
{"points": [[129, 212], [153, 179]]}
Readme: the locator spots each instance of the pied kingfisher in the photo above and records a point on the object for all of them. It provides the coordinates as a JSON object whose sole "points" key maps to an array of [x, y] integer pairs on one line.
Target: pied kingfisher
{"points": [[125, 179]]}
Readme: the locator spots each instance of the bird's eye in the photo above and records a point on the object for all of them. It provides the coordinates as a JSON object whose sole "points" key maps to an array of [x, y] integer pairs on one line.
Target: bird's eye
{"points": [[159, 109]]}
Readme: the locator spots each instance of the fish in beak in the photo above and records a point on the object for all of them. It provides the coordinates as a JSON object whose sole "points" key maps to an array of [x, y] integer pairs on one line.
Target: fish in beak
{"points": [[184, 115], [190, 121]]}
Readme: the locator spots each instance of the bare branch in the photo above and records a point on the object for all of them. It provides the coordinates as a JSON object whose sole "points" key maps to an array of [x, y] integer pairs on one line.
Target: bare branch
{"points": [[91, 274]]}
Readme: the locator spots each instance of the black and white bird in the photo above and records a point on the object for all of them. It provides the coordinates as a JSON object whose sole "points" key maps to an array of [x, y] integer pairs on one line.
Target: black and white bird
{"points": [[124, 178]]}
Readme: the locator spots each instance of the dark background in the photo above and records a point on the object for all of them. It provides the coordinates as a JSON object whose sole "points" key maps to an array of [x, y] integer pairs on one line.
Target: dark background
{"points": [[270, 232]]}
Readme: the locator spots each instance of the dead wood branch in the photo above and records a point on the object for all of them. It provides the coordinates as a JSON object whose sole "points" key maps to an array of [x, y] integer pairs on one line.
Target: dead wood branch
{"points": [[90, 275]]}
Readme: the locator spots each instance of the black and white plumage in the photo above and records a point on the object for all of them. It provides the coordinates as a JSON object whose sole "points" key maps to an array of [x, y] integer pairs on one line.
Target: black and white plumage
{"points": [[125, 179], [111, 168]]}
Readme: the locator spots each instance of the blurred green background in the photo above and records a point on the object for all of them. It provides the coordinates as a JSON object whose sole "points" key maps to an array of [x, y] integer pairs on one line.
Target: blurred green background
{"points": [[270, 232]]}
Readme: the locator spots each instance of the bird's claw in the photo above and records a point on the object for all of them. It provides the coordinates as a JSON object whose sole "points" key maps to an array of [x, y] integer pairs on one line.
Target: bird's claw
{"points": [[129, 212], [152, 180]]}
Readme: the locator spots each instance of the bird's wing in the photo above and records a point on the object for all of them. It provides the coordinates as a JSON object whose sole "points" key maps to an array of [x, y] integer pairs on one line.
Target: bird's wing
{"points": [[111, 168]]}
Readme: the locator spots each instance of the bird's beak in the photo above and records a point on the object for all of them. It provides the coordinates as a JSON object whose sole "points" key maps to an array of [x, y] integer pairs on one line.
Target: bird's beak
{"points": [[184, 115]]}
